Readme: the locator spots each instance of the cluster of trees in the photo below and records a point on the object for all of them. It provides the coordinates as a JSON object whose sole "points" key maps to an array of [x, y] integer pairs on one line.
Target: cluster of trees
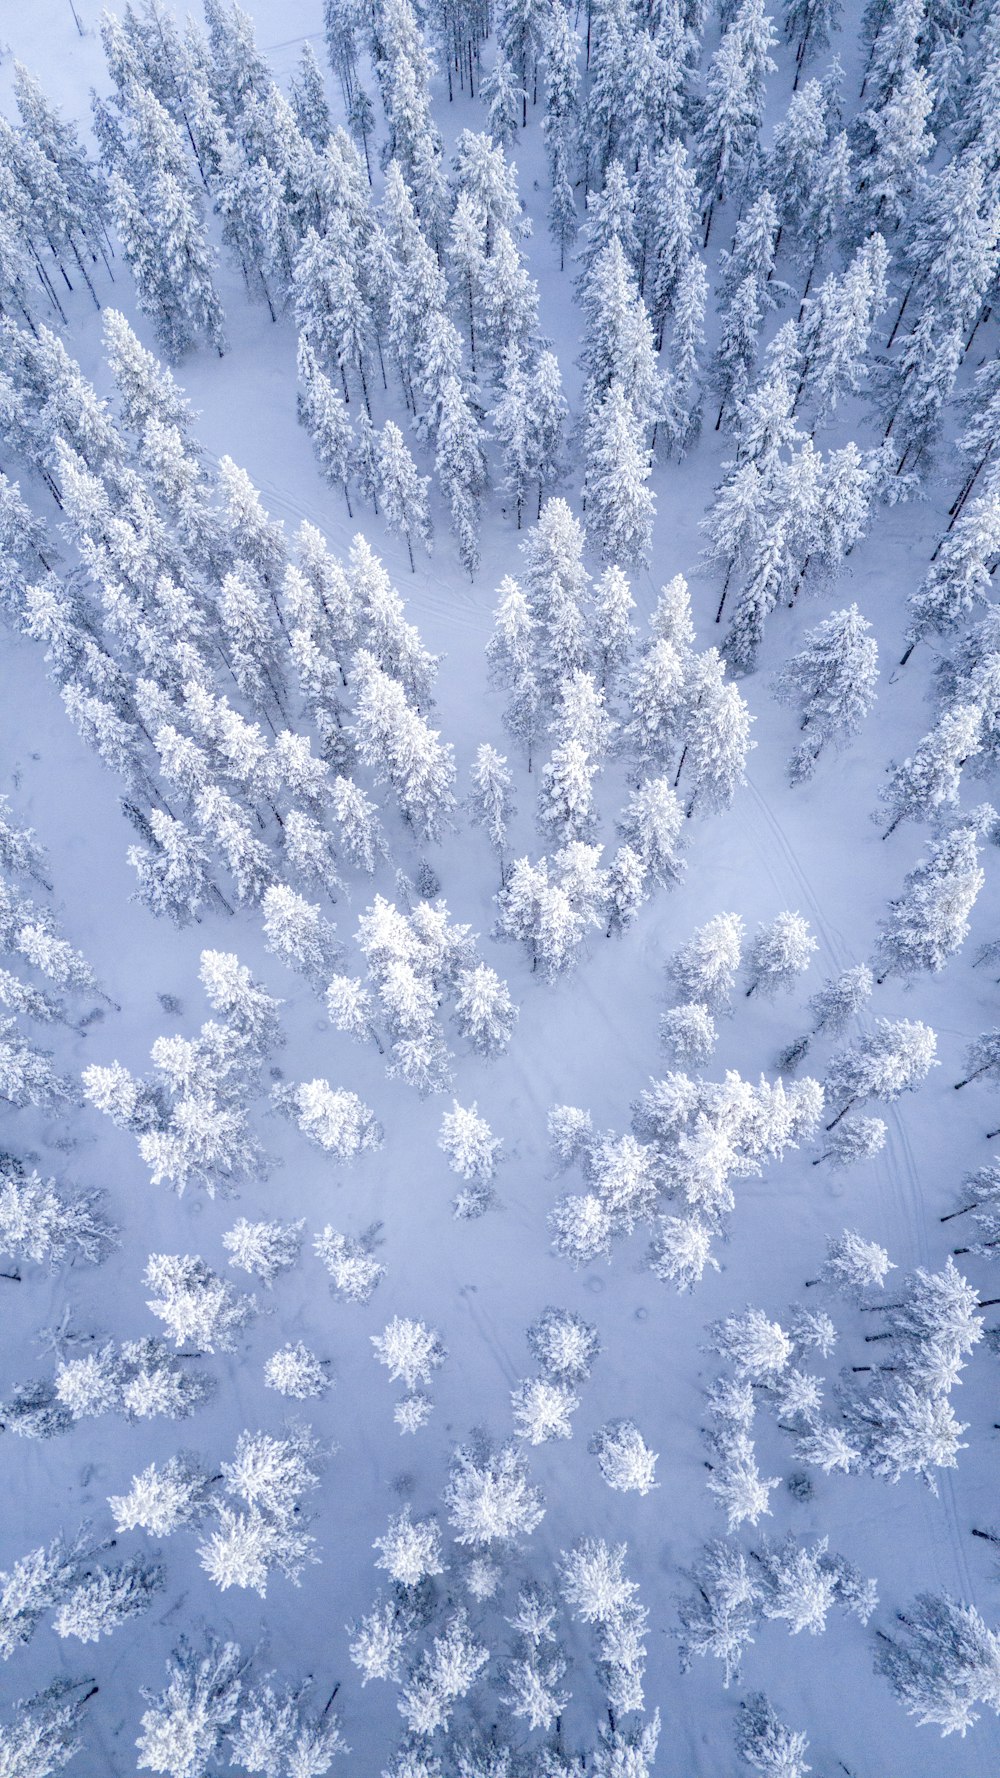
{"points": [[252, 695], [690, 1139], [418, 1636], [889, 1416]]}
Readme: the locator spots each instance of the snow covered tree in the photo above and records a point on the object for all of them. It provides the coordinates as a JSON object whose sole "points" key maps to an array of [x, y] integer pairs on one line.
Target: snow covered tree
{"points": [[832, 684], [26, 1075], [42, 1736], [704, 970], [762, 1739], [739, 1488], [44, 1225], [892, 1060], [857, 1139], [173, 264], [620, 506], [732, 107], [181, 1732], [680, 1250], [484, 1012], [688, 1033], [174, 876], [410, 1350], [444, 1673], [107, 1597], [404, 751], [757, 1349], [959, 576], [929, 921], [626, 888], [780, 952], [982, 1058], [296, 1372], [720, 1613], [490, 802], [35, 1584], [323, 412], [469, 1143], [165, 1498], [854, 1266], [264, 1249], [402, 491], [350, 1261], [564, 1345], [195, 1304], [624, 1458], [460, 468], [297, 933], [541, 1409], [273, 1729], [582, 1229], [656, 700], [410, 1553], [929, 780], [650, 825], [489, 1498], [336, 1120], [716, 745], [942, 1662]]}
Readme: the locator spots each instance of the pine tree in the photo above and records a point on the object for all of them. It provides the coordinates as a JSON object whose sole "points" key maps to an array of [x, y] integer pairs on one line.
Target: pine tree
{"points": [[831, 681], [43, 1734], [402, 491], [264, 1249], [893, 1059], [733, 106], [620, 506], [489, 1498], [929, 921], [336, 1120], [942, 1662], [900, 143], [624, 1458], [195, 1303], [172, 266], [490, 802], [107, 1597], [330, 309], [762, 1739], [182, 1729], [780, 952], [324, 414], [483, 1010], [716, 744], [404, 751], [43, 1225], [928, 782], [460, 467], [959, 577], [854, 1266]]}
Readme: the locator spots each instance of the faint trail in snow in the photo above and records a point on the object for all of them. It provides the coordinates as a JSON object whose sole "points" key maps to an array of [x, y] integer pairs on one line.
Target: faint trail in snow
{"points": [[831, 937], [486, 1329]]}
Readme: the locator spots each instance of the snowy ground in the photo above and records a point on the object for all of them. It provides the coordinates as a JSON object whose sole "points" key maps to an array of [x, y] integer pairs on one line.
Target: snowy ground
{"points": [[590, 1040]]}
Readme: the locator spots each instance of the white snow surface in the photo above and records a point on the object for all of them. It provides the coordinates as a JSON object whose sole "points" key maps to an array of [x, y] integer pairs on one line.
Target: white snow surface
{"points": [[589, 1040]]}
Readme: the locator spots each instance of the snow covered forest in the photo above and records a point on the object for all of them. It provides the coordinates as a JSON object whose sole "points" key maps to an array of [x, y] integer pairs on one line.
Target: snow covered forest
{"points": [[499, 1046]]}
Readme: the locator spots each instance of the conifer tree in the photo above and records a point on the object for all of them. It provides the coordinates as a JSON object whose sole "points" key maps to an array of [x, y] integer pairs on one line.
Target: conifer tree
{"points": [[929, 921], [619, 504], [403, 493], [831, 681], [460, 467]]}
